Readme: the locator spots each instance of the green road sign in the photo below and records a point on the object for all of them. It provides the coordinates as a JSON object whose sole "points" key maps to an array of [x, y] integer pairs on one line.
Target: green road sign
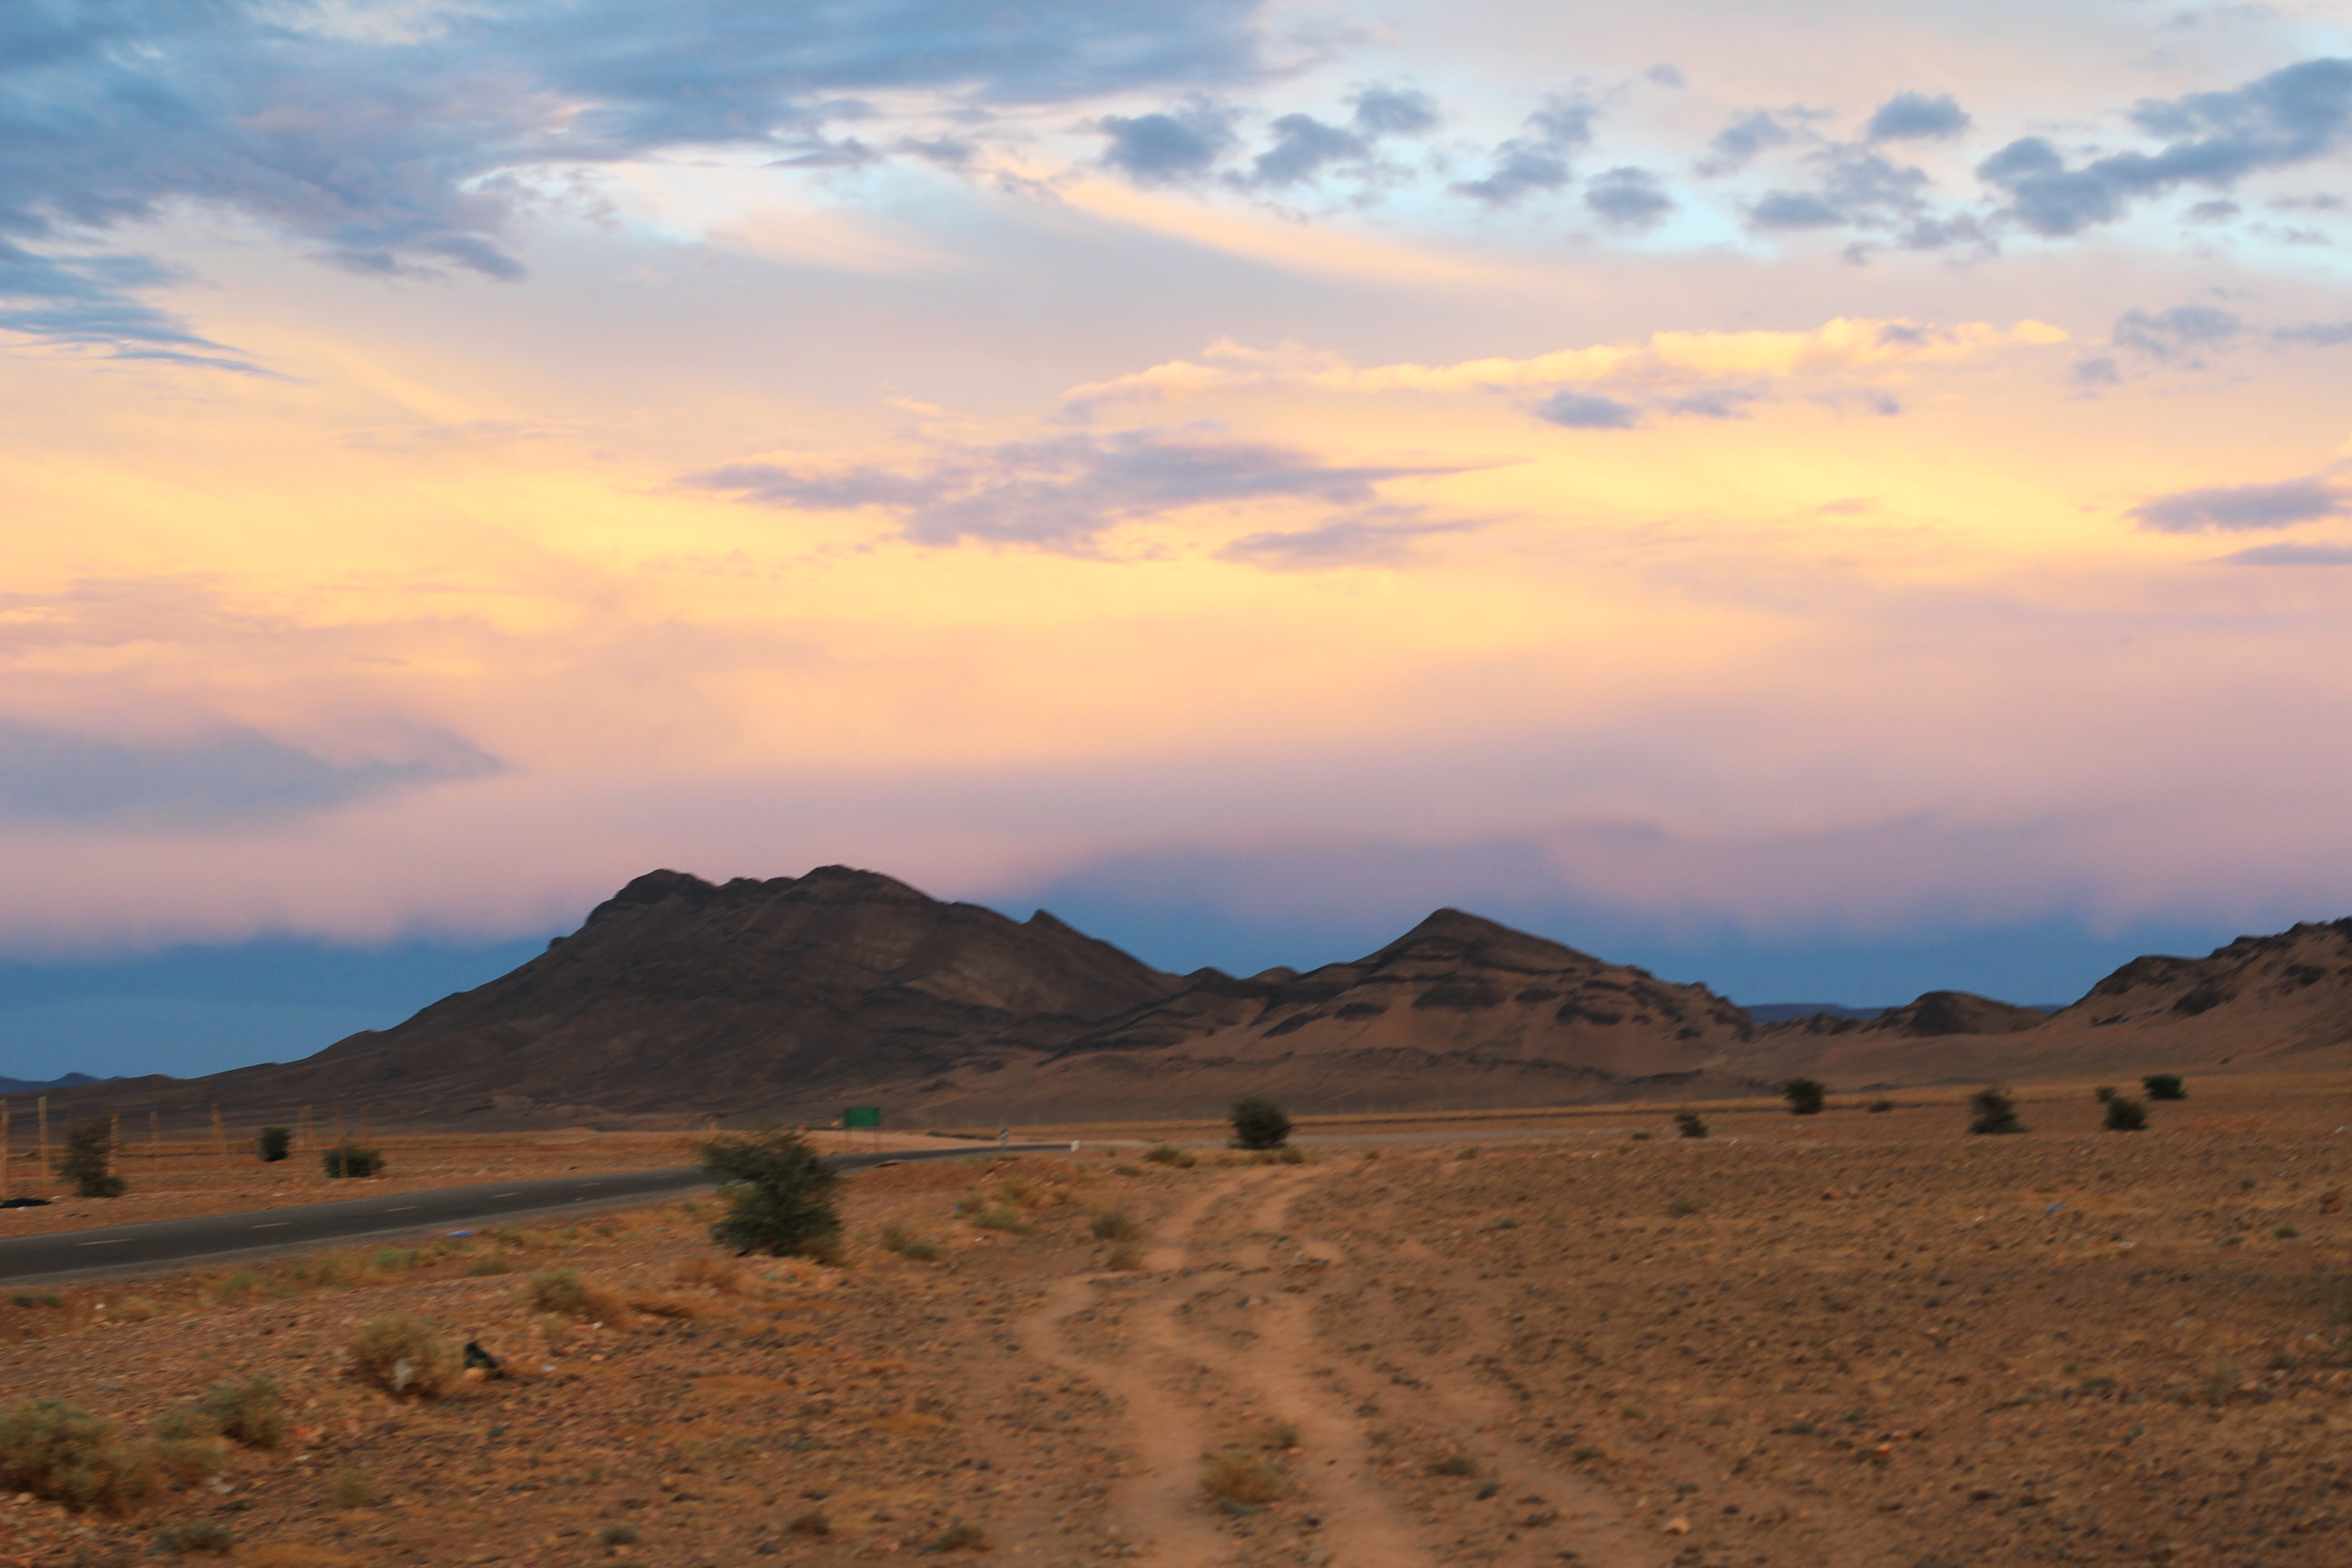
{"points": [[862, 1116]]}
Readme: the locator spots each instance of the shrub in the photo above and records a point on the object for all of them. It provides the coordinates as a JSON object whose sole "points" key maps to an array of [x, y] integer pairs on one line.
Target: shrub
{"points": [[188, 1445], [1258, 1124], [492, 1264], [89, 1162], [2104, 1093], [238, 1288], [960, 1537], [1278, 1435], [353, 1489], [996, 1216], [1681, 1208], [1991, 1110], [1168, 1154], [252, 1413], [393, 1261], [404, 1355], [349, 1160], [620, 1535], [1879, 1107], [779, 1193], [1454, 1465], [565, 1293], [1124, 1168], [274, 1143], [1116, 1224], [812, 1524], [2126, 1115], [1288, 1154], [57, 1450], [1690, 1125], [200, 1535], [1238, 1476], [2164, 1086], [1805, 1096]]}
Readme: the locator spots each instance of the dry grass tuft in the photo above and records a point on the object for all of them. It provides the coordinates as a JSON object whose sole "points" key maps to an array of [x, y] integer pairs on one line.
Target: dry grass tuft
{"points": [[565, 1293], [1239, 1475], [56, 1450], [406, 1357], [252, 1413]]}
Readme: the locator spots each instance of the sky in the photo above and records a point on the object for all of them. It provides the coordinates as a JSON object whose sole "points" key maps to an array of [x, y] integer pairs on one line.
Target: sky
{"points": [[1825, 499]]}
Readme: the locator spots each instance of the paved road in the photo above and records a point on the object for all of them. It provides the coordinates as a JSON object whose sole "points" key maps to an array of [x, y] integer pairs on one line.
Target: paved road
{"points": [[161, 1245]]}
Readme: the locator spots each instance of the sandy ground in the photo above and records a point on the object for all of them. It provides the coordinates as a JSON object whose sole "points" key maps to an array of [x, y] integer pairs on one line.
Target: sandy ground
{"points": [[1854, 1340]]}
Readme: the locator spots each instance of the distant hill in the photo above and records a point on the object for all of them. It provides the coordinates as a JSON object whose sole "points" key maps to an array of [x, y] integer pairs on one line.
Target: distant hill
{"points": [[1781, 1012], [33, 1085], [794, 998]]}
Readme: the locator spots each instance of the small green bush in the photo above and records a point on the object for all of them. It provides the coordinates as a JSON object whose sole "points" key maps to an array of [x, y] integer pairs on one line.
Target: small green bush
{"points": [[1805, 1096], [188, 1445], [56, 1450], [252, 1414], [393, 1261], [1278, 1435], [2104, 1093], [960, 1537], [620, 1535], [1168, 1154], [407, 1357], [2165, 1086], [1116, 1224], [1690, 1125], [1238, 1476], [779, 1193], [1258, 1124], [1992, 1111], [274, 1143], [349, 1161], [1681, 1208], [89, 1162], [2126, 1115], [812, 1524], [200, 1535], [997, 1216], [1454, 1465]]}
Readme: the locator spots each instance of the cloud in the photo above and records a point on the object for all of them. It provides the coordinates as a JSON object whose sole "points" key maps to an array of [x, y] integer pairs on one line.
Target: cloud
{"points": [[2292, 116], [1168, 148], [1537, 161], [1303, 146], [1629, 198], [405, 148], [1737, 145], [1911, 116], [1858, 188], [1378, 536], [2290, 555], [1062, 493], [1782, 210], [1844, 345], [2232, 508], [2181, 331], [1393, 112], [2320, 334], [1584, 411], [228, 777]]}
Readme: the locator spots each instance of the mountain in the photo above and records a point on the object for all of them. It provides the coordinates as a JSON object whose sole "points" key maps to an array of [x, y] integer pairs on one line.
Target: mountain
{"points": [[794, 998], [32, 1086], [1781, 1012]]}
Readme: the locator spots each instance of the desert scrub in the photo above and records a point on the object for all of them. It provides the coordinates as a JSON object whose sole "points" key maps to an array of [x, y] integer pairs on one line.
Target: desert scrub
{"points": [[812, 1524], [488, 1265], [1236, 1476], [353, 1489], [2124, 1115], [1992, 1111], [188, 1445], [252, 1414], [56, 1450], [620, 1535], [1681, 1208], [779, 1193], [1278, 1435], [1288, 1154], [406, 1356], [1454, 1465], [2164, 1086], [1806, 1096], [565, 1293], [200, 1535], [273, 1144], [996, 1216], [349, 1161], [960, 1537], [1879, 1107], [1116, 1224], [1258, 1123], [1123, 1169], [1170, 1155], [89, 1162], [1689, 1124], [235, 1290]]}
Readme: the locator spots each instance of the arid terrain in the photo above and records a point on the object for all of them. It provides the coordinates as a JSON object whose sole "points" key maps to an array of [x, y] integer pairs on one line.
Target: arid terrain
{"points": [[1858, 1339]]}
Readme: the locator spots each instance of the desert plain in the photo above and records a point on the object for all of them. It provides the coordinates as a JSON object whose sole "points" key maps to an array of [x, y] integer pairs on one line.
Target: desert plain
{"points": [[1863, 1338]]}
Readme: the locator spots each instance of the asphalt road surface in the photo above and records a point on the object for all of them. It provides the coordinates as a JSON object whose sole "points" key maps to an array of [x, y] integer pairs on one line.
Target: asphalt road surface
{"points": [[162, 1244]]}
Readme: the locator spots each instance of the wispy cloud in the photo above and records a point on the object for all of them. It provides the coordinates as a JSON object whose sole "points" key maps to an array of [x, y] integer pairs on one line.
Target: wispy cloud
{"points": [[2233, 508]]}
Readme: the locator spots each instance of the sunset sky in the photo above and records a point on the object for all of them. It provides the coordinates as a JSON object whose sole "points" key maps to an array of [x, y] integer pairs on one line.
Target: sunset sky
{"points": [[1826, 500]]}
